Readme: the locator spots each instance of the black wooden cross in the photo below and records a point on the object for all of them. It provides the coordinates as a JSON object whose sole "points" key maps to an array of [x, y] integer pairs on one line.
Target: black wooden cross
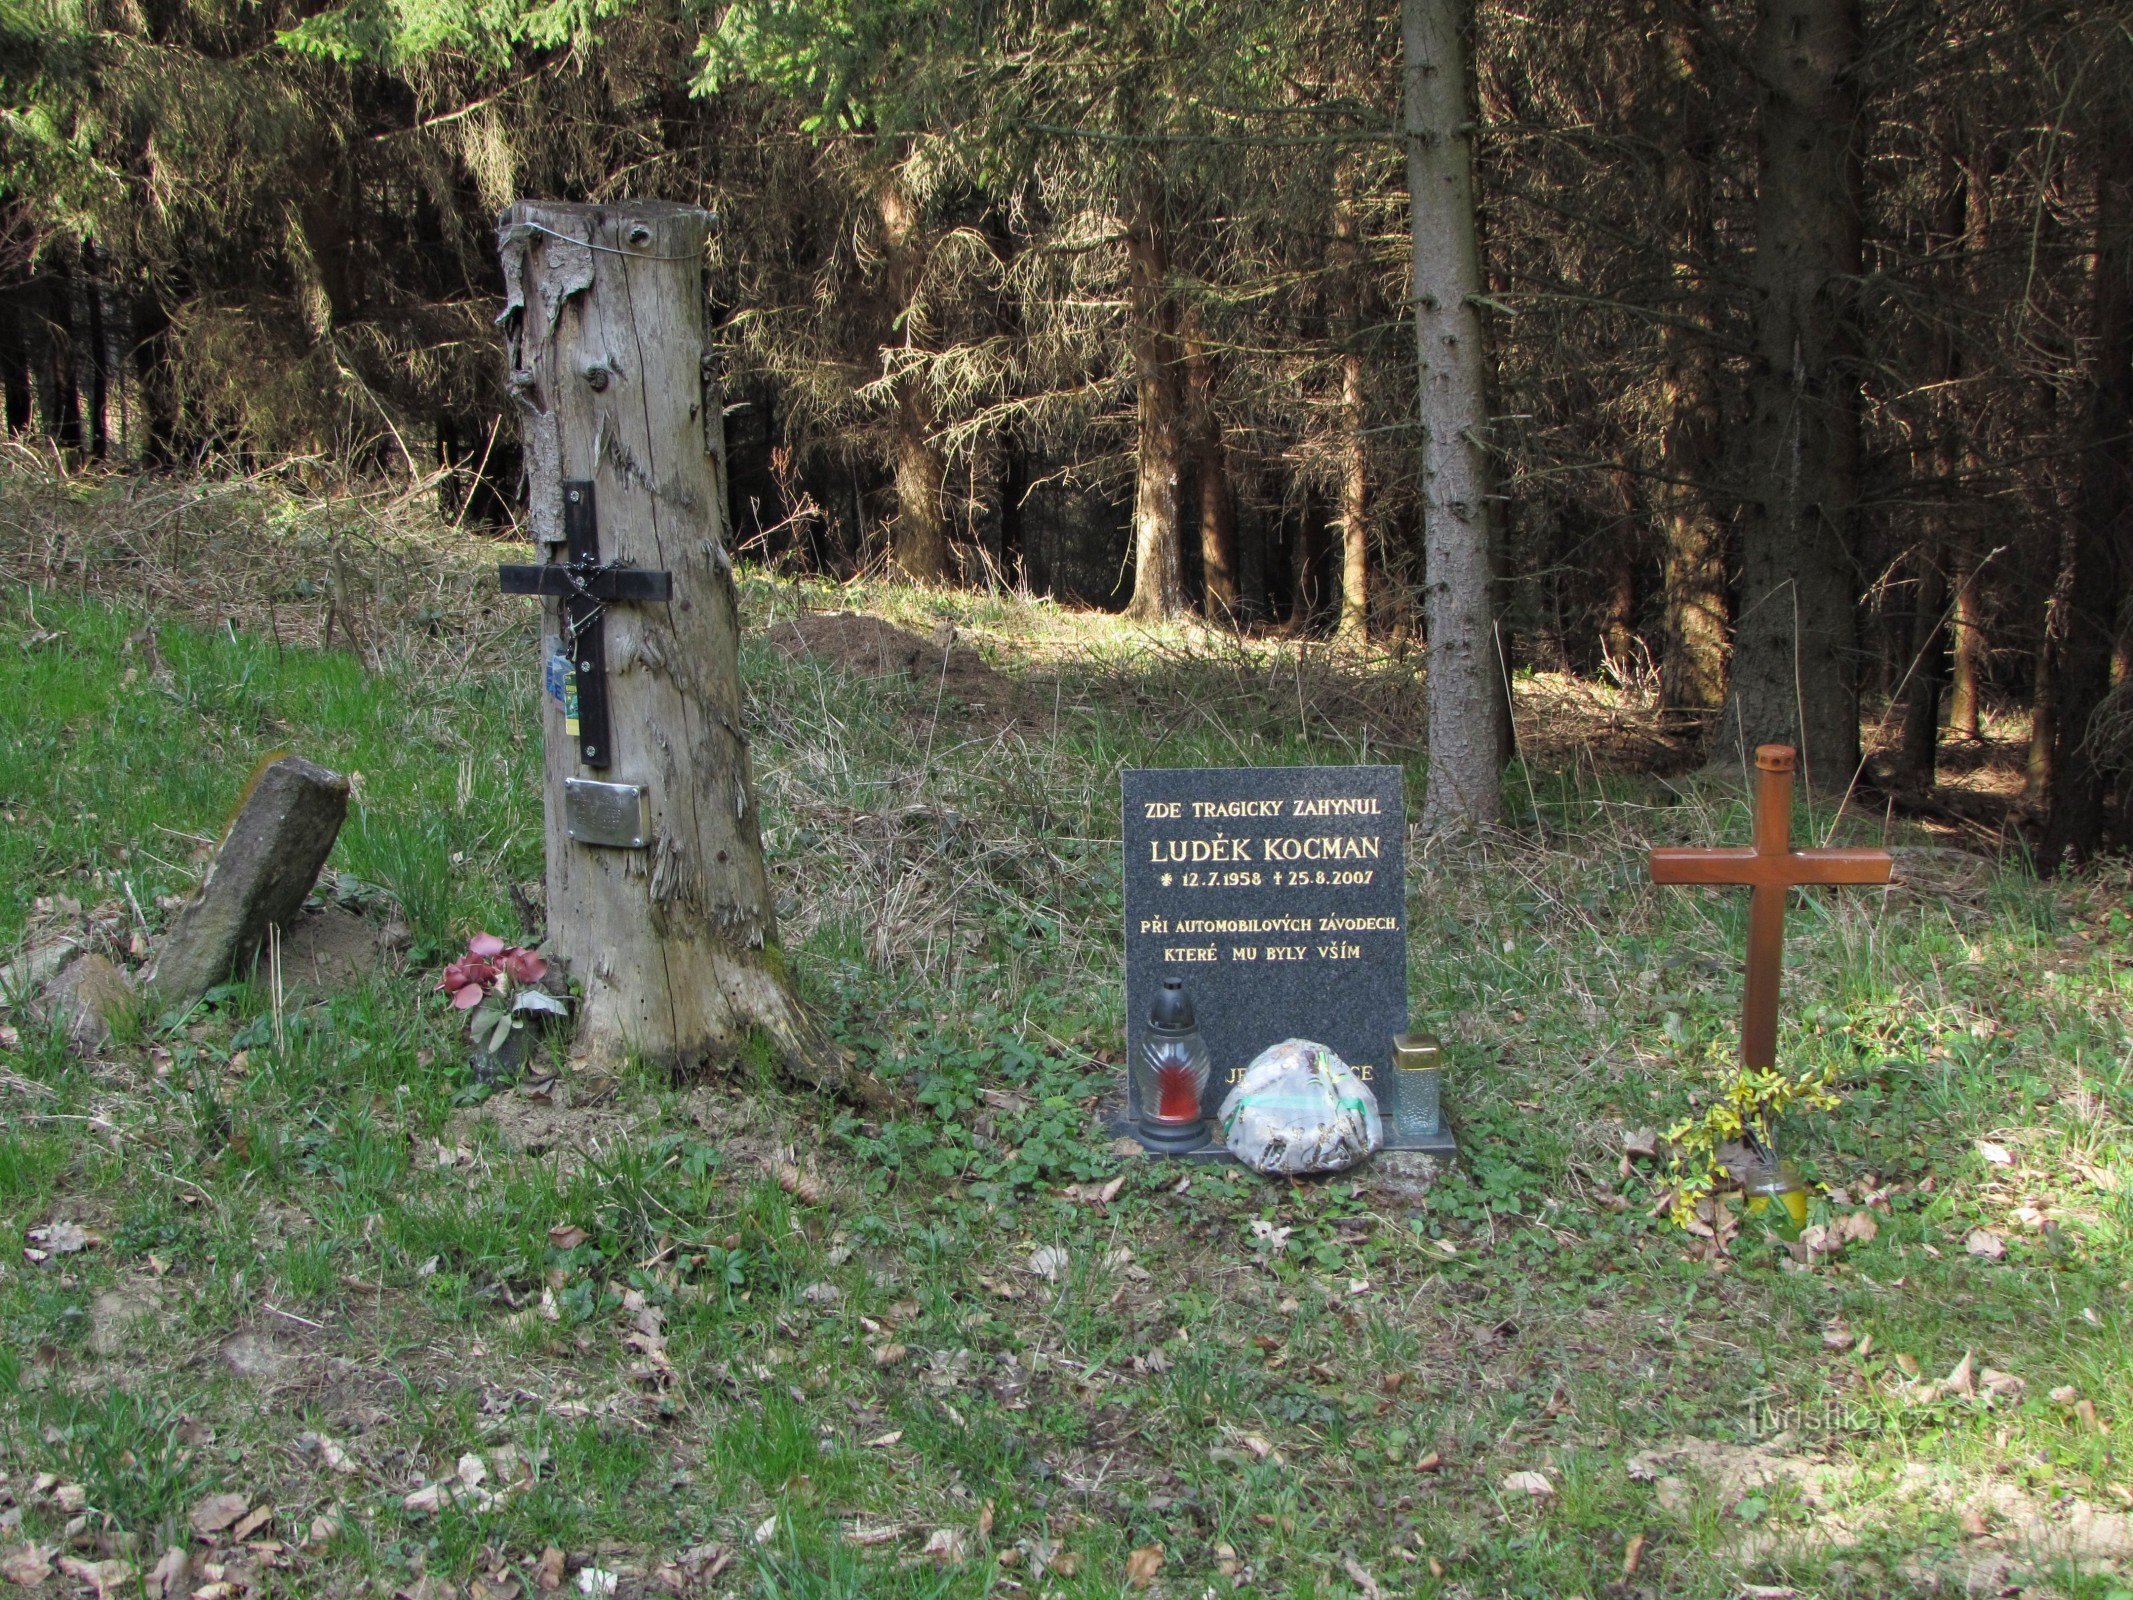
{"points": [[587, 586]]}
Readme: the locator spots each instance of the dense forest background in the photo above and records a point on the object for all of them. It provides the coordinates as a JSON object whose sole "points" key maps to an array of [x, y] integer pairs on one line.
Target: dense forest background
{"points": [[1006, 290]]}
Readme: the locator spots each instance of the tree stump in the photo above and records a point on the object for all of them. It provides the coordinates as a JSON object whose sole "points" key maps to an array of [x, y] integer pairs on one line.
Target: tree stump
{"points": [[669, 928]]}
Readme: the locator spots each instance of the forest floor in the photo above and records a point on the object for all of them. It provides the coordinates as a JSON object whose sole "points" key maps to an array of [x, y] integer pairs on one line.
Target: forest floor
{"points": [[284, 1290]]}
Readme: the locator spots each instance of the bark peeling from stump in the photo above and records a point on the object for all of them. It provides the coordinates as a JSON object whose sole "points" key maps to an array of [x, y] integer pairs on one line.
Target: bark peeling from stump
{"points": [[604, 321]]}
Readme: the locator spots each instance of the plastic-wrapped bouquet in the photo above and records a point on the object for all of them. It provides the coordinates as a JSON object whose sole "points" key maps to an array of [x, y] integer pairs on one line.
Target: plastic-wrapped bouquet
{"points": [[504, 988]]}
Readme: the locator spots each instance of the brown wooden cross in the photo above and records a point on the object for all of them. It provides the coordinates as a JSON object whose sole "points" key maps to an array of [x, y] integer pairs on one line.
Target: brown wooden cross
{"points": [[1771, 867]]}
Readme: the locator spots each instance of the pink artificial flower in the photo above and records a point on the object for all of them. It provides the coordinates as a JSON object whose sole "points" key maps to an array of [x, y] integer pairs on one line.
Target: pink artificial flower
{"points": [[485, 945], [523, 966], [467, 980]]}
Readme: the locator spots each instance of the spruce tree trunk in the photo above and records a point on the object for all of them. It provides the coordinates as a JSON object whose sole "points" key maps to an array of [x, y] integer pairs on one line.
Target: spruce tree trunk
{"points": [[1618, 622], [58, 392], [1354, 505], [14, 363], [1966, 625], [1692, 660], [2041, 762], [675, 944], [1795, 646], [1465, 689], [1968, 644], [1692, 647], [1218, 502], [1918, 740], [919, 536], [2102, 534], [1307, 562], [1255, 585], [1158, 558], [1353, 517]]}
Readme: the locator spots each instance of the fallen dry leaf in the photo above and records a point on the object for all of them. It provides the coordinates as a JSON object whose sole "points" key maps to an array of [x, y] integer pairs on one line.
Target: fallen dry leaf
{"points": [[567, 1236], [1960, 1381], [1985, 1244], [1837, 1335], [27, 1565], [104, 1577], [1430, 1463], [597, 1581], [1767, 1591], [2066, 1394], [331, 1452], [945, 1546], [1858, 1227], [2003, 1384], [1363, 1579], [217, 1512], [1535, 1484], [1996, 1154], [64, 1238], [1048, 1262], [767, 1529], [548, 1571], [251, 1524], [166, 1579], [1142, 1566], [894, 1436], [1096, 1193]]}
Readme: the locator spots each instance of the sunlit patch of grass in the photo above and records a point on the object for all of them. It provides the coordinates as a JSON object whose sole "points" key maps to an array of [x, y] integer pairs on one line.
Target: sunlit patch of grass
{"points": [[949, 898]]}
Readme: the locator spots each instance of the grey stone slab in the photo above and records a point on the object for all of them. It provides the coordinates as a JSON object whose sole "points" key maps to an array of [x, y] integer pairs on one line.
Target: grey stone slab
{"points": [[1279, 895], [263, 869], [22, 979], [86, 999]]}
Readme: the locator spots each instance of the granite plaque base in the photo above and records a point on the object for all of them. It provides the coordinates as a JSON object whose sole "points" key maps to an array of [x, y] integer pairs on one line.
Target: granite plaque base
{"points": [[1118, 1121], [1279, 896]]}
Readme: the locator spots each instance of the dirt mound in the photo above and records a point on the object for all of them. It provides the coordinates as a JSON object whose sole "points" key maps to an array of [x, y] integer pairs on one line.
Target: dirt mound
{"points": [[329, 949], [873, 647]]}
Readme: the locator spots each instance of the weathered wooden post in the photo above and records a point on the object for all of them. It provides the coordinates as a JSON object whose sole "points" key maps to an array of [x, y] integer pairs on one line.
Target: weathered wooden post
{"points": [[657, 895]]}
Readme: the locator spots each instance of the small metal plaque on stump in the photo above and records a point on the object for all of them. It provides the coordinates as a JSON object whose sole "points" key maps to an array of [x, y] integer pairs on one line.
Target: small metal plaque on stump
{"points": [[614, 814]]}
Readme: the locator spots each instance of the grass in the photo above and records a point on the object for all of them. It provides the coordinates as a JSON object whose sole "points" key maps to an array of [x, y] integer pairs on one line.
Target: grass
{"points": [[340, 1234]]}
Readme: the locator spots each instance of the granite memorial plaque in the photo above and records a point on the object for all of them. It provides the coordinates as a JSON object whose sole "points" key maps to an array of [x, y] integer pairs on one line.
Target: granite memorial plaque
{"points": [[1279, 896]]}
